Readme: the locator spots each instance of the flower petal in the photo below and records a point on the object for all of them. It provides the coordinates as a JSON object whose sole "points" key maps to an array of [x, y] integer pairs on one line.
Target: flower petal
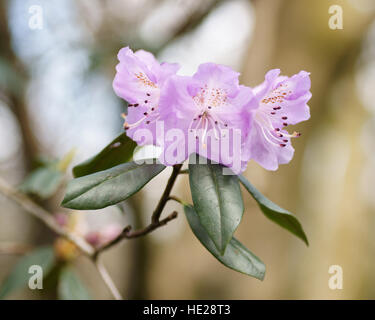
{"points": [[268, 155]]}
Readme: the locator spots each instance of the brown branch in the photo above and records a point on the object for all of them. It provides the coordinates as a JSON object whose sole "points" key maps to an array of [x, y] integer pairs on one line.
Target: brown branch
{"points": [[38, 212], [44, 216], [128, 234], [155, 219], [165, 197]]}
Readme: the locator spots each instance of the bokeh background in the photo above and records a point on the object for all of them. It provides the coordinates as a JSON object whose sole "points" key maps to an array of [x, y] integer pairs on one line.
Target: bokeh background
{"points": [[56, 94]]}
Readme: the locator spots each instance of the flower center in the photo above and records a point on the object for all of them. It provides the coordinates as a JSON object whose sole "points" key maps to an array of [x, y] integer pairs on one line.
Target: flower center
{"points": [[144, 80], [206, 100]]}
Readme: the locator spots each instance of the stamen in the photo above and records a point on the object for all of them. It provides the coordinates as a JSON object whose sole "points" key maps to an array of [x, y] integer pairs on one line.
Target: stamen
{"points": [[147, 115], [214, 128]]}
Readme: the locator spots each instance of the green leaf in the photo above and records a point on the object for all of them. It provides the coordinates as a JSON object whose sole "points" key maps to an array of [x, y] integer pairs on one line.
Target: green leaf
{"points": [[105, 188], [70, 286], [236, 257], [19, 277], [273, 212], [217, 200], [117, 152], [47, 178], [43, 182]]}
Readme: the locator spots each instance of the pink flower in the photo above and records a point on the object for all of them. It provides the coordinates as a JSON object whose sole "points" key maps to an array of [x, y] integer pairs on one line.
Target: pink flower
{"points": [[139, 81], [278, 102], [207, 108], [102, 237], [61, 219]]}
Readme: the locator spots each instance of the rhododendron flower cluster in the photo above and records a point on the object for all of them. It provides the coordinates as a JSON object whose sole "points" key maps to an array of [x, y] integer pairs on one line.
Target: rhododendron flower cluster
{"points": [[210, 113]]}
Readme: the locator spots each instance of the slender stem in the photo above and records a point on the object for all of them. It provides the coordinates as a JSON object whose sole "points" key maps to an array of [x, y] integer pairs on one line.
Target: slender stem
{"points": [[38, 212], [176, 199], [45, 217], [164, 198], [108, 280], [128, 234], [155, 220]]}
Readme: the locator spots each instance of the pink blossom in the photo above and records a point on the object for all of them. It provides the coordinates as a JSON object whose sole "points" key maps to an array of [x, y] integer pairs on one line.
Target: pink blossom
{"points": [[208, 106], [61, 219], [139, 80], [101, 237], [279, 102]]}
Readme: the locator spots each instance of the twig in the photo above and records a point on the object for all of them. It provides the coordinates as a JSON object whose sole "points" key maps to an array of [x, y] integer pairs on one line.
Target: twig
{"points": [[128, 234], [44, 216], [107, 279], [38, 212], [164, 198], [155, 220]]}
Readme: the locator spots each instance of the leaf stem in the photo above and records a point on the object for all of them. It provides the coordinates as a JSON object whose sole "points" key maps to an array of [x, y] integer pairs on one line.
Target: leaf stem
{"points": [[178, 200]]}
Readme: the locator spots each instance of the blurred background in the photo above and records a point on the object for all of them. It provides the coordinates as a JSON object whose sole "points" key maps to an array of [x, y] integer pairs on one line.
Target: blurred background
{"points": [[56, 96]]}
